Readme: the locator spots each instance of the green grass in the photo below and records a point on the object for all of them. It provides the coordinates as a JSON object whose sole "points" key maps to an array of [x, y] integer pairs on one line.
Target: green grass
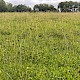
{"points": [[39, 46]]}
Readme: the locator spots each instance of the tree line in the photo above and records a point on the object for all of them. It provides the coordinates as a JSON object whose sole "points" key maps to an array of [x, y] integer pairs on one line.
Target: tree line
{"points": [[67, 6]]}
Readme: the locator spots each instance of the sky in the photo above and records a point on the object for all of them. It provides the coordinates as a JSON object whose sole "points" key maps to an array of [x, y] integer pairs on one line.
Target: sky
{"points": [[31, 3]]}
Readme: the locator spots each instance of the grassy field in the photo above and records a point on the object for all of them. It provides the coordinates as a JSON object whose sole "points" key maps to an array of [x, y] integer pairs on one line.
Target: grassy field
{"points": [[39, 46]]}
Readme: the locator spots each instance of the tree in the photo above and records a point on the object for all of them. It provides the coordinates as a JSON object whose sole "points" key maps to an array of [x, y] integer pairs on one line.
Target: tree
{"points": [[68, 6], [9, 7], [21, 8], [44, 7], [79, 6], [51, 8], [2, 6]]}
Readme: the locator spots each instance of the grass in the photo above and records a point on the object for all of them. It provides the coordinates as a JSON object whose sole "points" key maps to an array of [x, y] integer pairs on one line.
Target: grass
{"points": [[39, 46]]}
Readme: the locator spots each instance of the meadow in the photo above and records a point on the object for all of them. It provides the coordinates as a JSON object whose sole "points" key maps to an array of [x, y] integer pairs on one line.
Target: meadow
{"points": [[40, 46]]}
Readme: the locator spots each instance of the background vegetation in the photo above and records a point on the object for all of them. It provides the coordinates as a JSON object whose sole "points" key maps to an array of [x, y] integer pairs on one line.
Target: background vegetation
{"points": [[67, 6], [39, 46]]}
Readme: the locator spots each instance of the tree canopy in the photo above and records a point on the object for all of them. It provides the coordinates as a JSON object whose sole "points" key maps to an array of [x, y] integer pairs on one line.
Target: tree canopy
{"points": [[67, 6], [2, 6], [21, 8], [44, 7], [8, 7]]}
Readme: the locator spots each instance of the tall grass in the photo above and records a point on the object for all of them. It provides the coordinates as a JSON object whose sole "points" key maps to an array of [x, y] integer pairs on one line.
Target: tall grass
{"points": [[39, 46]]}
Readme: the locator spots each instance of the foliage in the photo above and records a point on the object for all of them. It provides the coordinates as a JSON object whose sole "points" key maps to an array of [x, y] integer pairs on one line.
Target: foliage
{"points": [[2, 6], [22, 8], [69, 6], [9, 7], [44, 7]]}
